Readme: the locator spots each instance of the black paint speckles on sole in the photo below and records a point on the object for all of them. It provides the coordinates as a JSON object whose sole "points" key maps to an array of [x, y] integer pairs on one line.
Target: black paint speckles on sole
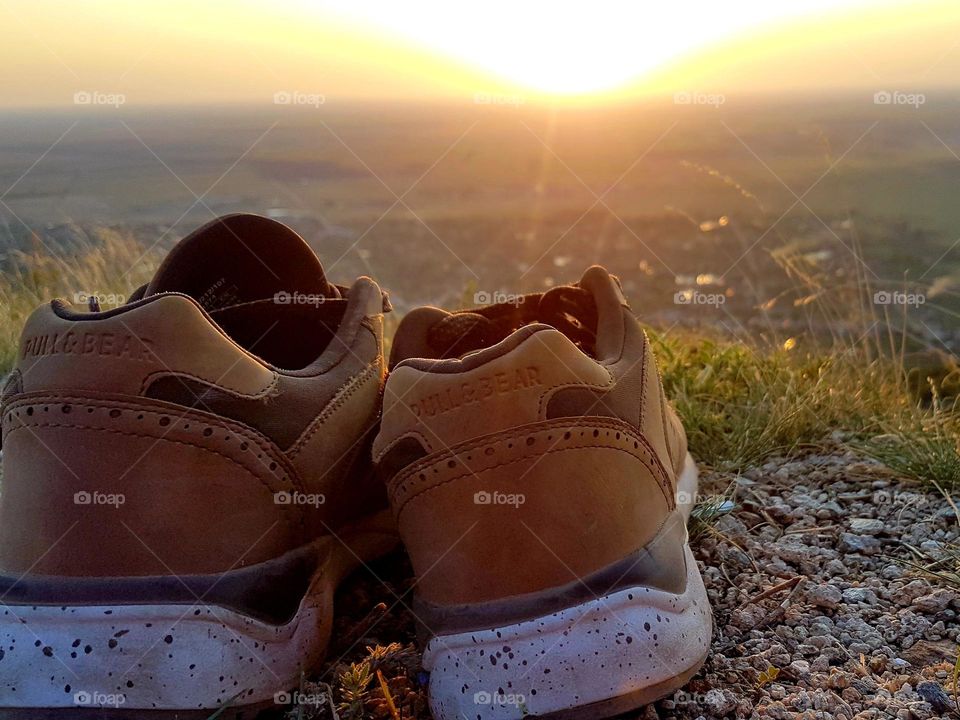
{"points": [[625, 703], [184, 659], [618, 650]]}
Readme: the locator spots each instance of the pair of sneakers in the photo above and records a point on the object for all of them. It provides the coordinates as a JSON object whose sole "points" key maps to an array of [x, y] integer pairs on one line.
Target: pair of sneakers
{"points": [[189, 476]]}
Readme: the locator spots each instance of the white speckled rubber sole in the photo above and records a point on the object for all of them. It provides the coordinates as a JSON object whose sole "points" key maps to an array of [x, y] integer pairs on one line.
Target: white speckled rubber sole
{"points": [[149, 656], [598, 658], [172, 657]]}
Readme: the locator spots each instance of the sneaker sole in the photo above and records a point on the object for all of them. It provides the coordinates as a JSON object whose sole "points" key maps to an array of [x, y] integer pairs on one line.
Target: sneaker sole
{"points": [[605, 656], [69, 661]]}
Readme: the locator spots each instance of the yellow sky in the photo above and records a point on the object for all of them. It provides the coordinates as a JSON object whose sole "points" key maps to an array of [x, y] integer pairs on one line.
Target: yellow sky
{"points": [[247, 50]]}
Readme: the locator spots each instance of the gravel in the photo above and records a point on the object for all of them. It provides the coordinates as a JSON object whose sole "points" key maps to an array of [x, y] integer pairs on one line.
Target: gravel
{"points": [[854, 632], [818, 612]]}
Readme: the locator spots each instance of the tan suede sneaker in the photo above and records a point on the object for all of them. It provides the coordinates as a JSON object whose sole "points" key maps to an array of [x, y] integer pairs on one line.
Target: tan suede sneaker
{"points": [[186, 479], [542, 485]]}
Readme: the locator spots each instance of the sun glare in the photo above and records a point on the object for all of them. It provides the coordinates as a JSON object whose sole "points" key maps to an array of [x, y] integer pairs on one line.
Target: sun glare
{"points": [[569, 48], [576, 53]]}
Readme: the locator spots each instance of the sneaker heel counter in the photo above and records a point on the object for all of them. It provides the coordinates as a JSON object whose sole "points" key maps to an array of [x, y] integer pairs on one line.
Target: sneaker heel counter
{"points": [[659, 422], [568, 497], [109, 487], [100, 479], [505, 386], [123, 350]]}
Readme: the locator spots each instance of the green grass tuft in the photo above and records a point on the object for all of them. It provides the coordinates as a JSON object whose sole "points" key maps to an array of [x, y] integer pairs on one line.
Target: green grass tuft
{"points": [[923, 446], [743, 404]]}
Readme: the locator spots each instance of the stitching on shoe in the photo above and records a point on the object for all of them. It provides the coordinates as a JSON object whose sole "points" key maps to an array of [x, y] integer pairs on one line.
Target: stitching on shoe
{"points": [[552, 390], [166, 372], [288, 474], [338, 400], [661, 401], [111, 403], [27, 426], [404, 487], [643, 378], [405, 490], [594, 422], [667, 430], [406, 502], [427, 445]]}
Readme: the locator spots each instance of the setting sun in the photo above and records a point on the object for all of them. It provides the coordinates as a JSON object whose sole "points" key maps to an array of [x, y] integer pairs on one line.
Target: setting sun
{"points": [[361, 49], [571, 48]]}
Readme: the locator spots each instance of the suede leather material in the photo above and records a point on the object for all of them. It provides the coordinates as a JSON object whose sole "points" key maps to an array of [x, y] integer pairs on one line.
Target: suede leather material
{"points": [[510, 389], [199, 487], [161, 335], [287, 414], [192, 503], [589, 500], [660, 564], [323, 459], [590, 444]]}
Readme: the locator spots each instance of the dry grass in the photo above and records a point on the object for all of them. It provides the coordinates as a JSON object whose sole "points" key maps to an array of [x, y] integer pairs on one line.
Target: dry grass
{"points": [[108, 264], [740, 401]]}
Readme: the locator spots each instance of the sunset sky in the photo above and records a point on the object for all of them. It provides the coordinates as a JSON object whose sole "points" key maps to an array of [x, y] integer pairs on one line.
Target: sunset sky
{"points": [[246, 50]]}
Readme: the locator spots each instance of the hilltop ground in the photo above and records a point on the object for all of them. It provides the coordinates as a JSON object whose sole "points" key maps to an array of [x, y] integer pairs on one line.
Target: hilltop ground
{"points": [[819, 609], [833, 569]]}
